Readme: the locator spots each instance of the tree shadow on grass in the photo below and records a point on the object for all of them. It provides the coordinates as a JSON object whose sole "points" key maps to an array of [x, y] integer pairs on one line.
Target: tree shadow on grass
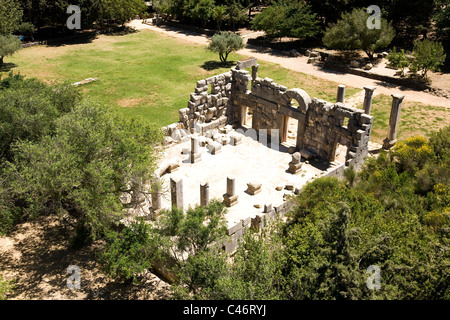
{"points": [[6, 67], [213, 65], [71, 39]]}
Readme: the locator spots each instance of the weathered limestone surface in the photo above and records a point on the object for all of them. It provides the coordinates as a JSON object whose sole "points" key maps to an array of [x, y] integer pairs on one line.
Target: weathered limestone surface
{"points": [[394, 119]]}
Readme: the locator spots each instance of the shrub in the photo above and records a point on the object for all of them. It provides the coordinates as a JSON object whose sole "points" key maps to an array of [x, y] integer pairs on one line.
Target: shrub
{"points": [[398, 60]]}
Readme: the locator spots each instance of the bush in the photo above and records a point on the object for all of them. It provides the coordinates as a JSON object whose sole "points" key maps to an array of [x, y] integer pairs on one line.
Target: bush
{"points": [[413, 153], [5, 288], [398, 60]]}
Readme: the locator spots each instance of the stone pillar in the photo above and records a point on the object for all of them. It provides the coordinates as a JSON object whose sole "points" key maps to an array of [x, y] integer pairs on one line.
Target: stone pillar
{"points": [[341, 93], [231, 186], [176, 193], [195, 155], [368, 98], [204, 194], [230, 198], [295, 166], [255, 72], [397, 100], [156, 200], [300, 134]]}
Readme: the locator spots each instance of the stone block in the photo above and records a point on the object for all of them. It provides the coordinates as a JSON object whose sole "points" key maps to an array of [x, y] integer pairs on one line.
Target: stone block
{"points": [[230, 201], [307, 154], [253, 188], [234, 229], [235, 140]]}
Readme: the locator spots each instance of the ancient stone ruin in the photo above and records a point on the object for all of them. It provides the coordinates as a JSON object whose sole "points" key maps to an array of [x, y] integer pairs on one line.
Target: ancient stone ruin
{"points": [[225, 111], [228, 98]]}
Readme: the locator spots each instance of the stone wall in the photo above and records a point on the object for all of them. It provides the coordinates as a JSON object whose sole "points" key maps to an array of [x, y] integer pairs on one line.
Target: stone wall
{"points": [[226, 99], [209, 103]]}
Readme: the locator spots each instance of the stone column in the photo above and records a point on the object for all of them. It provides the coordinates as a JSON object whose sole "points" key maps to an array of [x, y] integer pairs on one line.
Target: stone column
{"points": [[204, 194], [230, 198], [156, 200], [195, 155], [255, 72], [341, 93], [176, 193], [368, 98], [397, 100], [231, 186]]}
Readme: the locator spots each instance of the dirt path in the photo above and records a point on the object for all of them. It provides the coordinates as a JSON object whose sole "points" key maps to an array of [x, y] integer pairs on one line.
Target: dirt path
{"points": [[36, 255], [300, 64]]}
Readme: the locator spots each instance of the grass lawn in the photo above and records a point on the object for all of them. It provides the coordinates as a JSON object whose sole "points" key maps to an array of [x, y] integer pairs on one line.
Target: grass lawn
{"points": [[145, 73], [415, 118]]}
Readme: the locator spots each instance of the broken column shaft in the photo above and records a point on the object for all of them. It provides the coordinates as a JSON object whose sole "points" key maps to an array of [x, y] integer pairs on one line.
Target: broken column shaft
{"points": [[394, 119], [195, 155], [204, 194], [368, 98], [176, 193], [341, 93]]}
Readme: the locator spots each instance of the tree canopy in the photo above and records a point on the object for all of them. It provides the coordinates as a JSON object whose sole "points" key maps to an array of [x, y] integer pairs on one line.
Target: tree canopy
{"points": [[287, 19], [351, 33], [69, 156], [224, 43]]}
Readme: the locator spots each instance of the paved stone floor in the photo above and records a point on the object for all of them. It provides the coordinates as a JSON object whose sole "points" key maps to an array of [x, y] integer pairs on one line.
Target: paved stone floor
{"points": [[250, 161]]}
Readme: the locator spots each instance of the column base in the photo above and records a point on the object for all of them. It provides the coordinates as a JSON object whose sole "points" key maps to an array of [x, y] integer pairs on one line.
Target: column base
{"points": [[230, 201], [388, 144]]}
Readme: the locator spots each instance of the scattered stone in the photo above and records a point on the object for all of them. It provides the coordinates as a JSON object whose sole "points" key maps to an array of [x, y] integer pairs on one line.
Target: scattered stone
{"points": [[289, 186], [354, 64], [278, 188], [306, 154], [257, 206], [368, 66]]}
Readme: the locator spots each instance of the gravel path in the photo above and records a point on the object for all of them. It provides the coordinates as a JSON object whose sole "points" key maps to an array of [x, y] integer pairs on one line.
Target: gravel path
{"points": [[300, 64]]}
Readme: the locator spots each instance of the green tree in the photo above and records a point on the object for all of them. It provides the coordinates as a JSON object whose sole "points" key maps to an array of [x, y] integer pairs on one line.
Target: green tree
{"points": [[70, 161], [442, 17], [256, 272], [120, 11], [199, 10], [130, 252], [429, 55], [219, 14], [351, 33], [10, 16], [224, 43], [8, 45], [194, 241], [236, 13], [287, 19]]}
